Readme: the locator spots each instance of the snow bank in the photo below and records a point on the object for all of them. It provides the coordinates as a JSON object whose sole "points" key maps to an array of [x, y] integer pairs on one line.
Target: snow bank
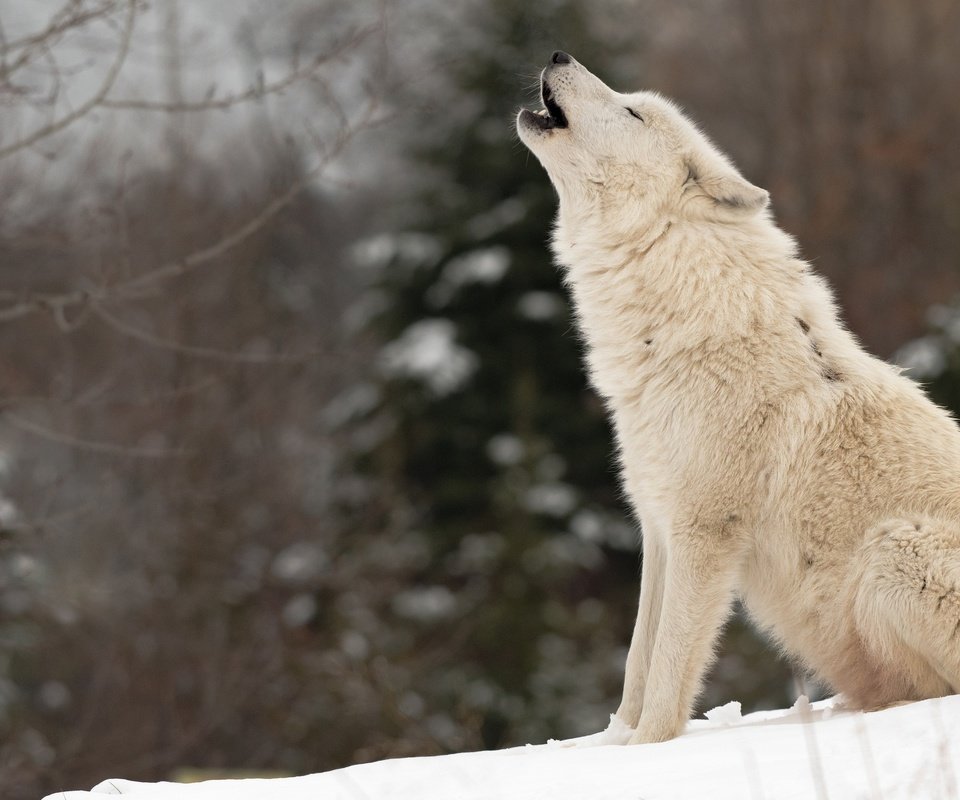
{"points": [[812, 750]]}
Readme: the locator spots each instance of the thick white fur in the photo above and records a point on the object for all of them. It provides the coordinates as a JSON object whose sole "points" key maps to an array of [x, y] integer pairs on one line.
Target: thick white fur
{"points": [[767, 455]]}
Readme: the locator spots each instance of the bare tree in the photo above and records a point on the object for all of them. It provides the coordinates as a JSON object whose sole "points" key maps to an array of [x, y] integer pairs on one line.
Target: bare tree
{"points": [[170, 337]]}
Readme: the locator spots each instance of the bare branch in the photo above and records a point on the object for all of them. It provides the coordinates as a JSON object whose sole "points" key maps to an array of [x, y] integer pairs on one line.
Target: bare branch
{"points": [[61, 22], [39, 524], [90, 445], [201, 352], [93, 102], [254, 92], [136, 286]]}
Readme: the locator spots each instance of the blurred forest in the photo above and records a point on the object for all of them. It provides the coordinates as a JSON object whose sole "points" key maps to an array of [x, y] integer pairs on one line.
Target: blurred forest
{"points": [[298, 465]]}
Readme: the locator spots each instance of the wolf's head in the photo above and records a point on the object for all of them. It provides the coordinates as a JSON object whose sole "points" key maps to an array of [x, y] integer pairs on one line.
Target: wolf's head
{"points": [[636, 153]]}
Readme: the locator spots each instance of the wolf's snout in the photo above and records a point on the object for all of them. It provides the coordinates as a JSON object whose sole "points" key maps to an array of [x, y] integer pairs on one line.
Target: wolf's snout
{"points": [[552, 116], [554, 111]]}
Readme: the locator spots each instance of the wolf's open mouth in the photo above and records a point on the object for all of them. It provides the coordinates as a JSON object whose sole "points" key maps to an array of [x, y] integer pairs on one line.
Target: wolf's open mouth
{"points": [[551, 115]]}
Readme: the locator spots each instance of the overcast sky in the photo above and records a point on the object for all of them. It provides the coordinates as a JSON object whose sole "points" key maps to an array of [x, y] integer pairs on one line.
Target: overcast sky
{"points": [[181, 51]]}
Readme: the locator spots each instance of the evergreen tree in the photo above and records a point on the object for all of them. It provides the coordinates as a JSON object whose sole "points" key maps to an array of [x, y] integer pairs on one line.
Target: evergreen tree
{"points": [[520, 600], [496, 447]]}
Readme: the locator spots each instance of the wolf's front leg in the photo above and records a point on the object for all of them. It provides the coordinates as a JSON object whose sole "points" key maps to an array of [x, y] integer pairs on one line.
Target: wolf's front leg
{"points": [[645, 630], [701, 571]]}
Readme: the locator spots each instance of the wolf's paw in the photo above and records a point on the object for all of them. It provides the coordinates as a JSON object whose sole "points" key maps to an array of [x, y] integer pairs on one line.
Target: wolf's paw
{"points": [[650, 733]]}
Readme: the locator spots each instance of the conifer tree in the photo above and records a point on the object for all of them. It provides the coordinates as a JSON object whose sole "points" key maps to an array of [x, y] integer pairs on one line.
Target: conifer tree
{"points": [[495, 445], [487, 436]]}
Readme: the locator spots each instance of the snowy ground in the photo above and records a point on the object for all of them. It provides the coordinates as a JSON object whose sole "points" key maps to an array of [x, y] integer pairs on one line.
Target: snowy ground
{"points": [[820, 751]]}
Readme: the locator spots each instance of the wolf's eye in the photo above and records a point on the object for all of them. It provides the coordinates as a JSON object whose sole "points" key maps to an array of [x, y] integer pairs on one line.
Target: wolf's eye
{"points": [[635, 114]]}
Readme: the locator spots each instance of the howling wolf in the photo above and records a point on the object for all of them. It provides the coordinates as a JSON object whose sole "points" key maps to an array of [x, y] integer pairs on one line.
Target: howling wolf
{"points": [[768, 456]]}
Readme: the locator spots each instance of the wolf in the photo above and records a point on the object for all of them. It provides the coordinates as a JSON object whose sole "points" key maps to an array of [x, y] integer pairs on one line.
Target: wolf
{"points": [[768, 457]]}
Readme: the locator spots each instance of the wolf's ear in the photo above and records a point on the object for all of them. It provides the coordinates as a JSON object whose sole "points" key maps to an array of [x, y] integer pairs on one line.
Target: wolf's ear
{"points": [[718, 190]]}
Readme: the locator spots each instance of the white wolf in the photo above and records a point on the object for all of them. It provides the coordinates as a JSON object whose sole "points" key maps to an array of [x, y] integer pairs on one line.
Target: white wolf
{"points": [[768, 457]]}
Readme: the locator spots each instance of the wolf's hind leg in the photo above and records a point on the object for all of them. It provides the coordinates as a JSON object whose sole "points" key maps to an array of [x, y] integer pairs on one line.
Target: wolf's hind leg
{"points": [[907, 606]]}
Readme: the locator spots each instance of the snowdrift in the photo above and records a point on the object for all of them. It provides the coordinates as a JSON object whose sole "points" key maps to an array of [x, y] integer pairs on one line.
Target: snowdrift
{"points": [[816, 751]]}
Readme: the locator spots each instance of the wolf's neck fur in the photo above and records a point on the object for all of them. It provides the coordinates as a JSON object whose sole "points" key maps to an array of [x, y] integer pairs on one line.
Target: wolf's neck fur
{"points": [[737, 283]]}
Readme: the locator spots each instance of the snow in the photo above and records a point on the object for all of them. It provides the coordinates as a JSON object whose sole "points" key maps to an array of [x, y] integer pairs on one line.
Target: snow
{"points": [[425, 603], [299, 610], [498, 218], [728, 714], [506, 449], [923, 358], [928, 357], [351, 404], [409, 250], [540, 306], [300, 563], [601, 527], [484, 265], [555, 499], [814, 750], [428, 351]]}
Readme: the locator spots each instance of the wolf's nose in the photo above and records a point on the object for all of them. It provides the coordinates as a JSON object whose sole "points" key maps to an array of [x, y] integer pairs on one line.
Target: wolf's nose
{"points": [[559, 57]]}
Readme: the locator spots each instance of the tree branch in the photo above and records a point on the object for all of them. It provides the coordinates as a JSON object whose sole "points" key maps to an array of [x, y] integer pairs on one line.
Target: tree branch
{"points": [[254, 92], [212, 353], [90, 445], [56, 304], [60, 22], [93, 102]]}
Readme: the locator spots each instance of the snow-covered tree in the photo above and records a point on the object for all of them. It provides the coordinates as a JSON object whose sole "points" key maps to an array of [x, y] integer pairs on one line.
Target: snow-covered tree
{"points": [[481, 428]]}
